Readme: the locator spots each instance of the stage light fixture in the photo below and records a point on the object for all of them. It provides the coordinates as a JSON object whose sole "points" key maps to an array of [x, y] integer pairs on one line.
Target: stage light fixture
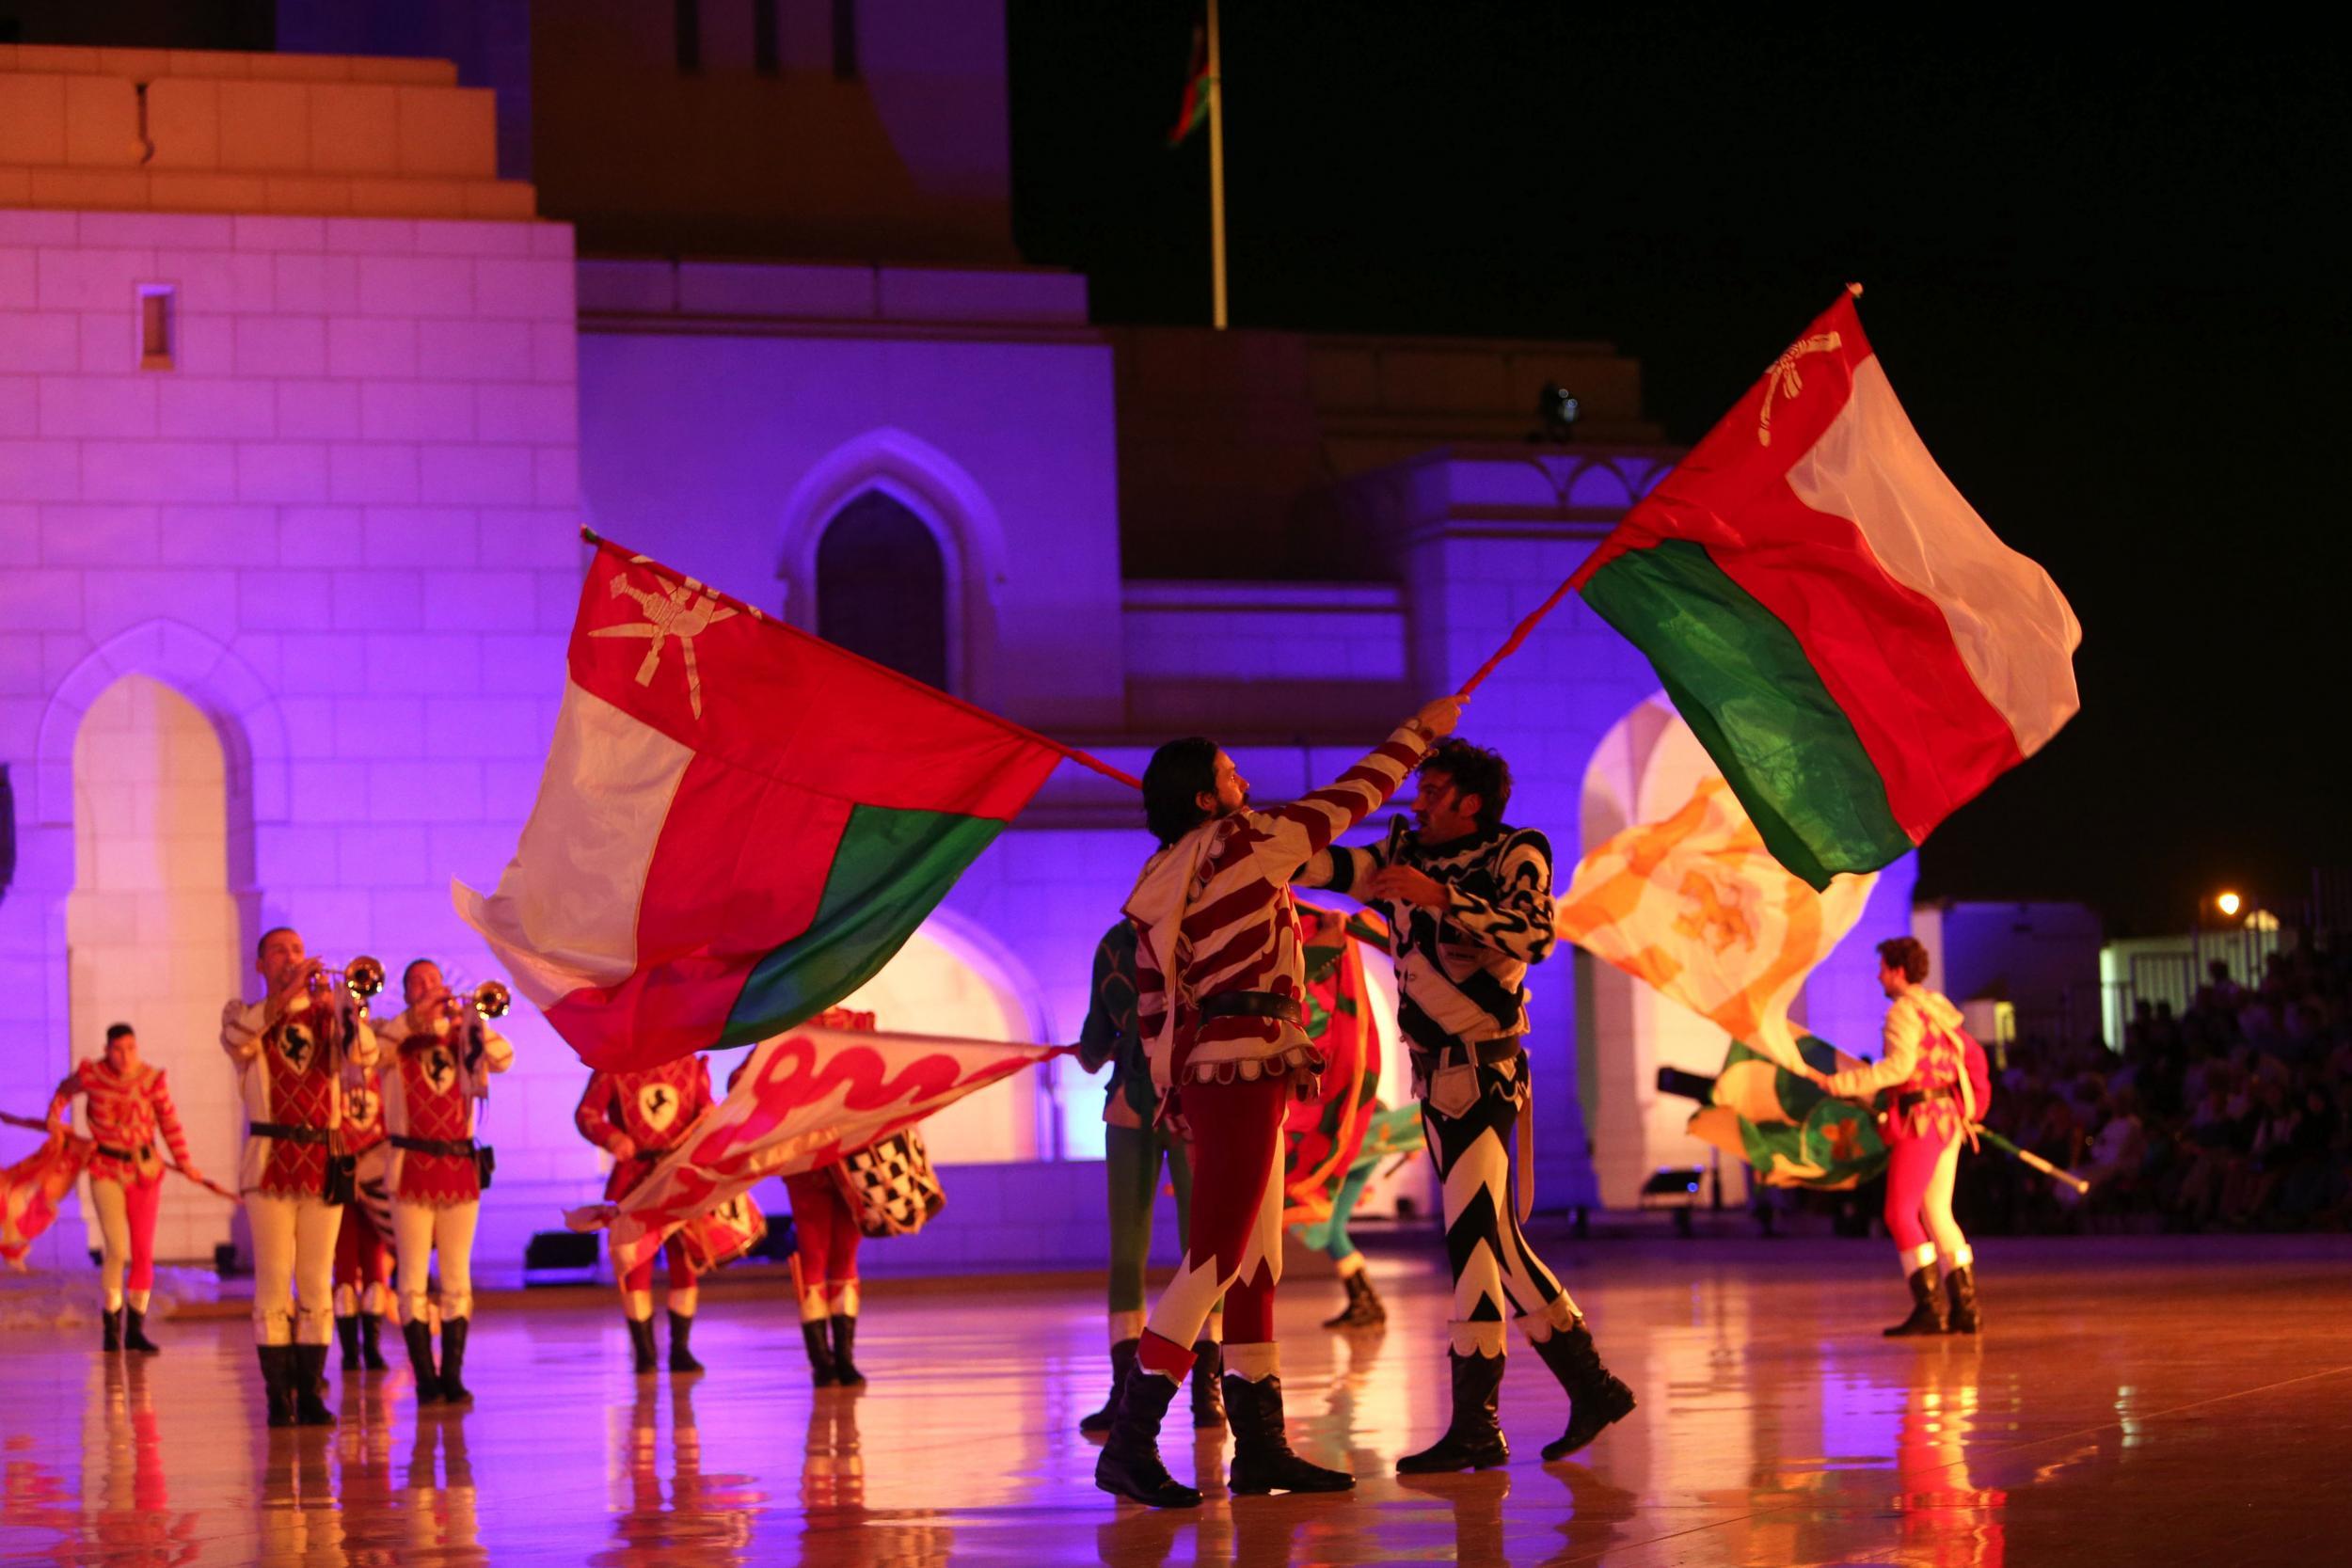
{"points": [[1557, 411]]}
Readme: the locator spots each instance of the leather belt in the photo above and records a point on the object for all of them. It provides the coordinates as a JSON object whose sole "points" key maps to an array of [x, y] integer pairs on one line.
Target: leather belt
{"points": [[1906, 1103], [133, 1154], [649, 1154], [1493, 1052], [456, 1149], [288, 1133], [1254, 1004]]}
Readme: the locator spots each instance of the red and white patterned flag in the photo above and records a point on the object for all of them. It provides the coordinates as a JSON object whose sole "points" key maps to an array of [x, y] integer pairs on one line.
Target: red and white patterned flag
{"points": [[802, 1100], [30, 1190]]}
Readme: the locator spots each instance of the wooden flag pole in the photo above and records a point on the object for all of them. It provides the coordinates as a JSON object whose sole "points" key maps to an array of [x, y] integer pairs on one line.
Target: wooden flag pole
{"points": [[1217, 172]]}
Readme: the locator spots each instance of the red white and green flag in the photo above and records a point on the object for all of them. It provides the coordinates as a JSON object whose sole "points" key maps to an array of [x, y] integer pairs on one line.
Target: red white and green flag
{"points": [[1194, 110], [1853, 646], [739, 823]]}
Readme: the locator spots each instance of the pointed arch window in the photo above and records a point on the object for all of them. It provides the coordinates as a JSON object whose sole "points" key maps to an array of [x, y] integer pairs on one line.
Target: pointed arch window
{"points": [[881, 588]]}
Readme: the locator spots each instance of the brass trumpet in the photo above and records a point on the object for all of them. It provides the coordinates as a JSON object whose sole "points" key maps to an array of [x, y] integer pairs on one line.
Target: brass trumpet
{"points": [[363, 977], [489, 999]]}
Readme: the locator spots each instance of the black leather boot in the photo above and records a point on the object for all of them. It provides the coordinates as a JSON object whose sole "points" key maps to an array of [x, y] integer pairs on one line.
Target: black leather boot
{"points": [[1474, 1439], [814, 1335], [135, 1333], [309, 1362], [277, 1375], [110, 1330], [1364, 1308], [1122, 1365], [454, 1389], [681, 1345], [641, 1345], [1262, 1460], [844, 1341], [1596, 1398], [1962, 1283], [420, 1340], [347, 1334], [371, 1343], [1208, 1385], [1927, 1307], [1129, 1466]]}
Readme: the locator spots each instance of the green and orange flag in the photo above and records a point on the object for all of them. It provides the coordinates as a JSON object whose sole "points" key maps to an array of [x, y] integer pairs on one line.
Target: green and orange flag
{"points": [[738, 825]]}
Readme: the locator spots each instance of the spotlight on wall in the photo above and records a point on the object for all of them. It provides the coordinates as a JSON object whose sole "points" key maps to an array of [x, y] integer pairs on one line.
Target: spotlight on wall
{"points": [[1556, 413]]}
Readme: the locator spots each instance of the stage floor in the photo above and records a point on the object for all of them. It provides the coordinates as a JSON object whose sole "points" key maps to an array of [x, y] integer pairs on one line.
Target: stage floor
{"points": [[2134, 1401]]}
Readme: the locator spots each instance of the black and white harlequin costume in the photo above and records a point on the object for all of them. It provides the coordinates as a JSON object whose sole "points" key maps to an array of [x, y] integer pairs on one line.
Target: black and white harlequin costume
{"points": [[1461, 975]]}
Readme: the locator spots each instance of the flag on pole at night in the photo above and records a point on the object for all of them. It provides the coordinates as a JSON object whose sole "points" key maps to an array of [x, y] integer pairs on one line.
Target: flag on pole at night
{"points": [[738, 825], [1194, 111], [1853, 646]]}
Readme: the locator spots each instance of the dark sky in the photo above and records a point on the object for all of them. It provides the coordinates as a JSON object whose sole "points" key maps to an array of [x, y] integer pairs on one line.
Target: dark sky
{"points": [[2101, 274]]}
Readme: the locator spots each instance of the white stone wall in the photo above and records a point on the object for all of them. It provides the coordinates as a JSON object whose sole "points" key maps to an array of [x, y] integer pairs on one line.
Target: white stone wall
{"points": [[343, 526]]}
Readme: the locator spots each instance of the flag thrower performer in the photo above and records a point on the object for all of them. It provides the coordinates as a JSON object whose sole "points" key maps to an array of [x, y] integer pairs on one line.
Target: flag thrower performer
{"points": [[129, 1106], [290, 1049], [1938, 1085], [637, 1118], [1469, 904], [441, 1051], [1221, 991], [363, 1246], [1135, 1143]]}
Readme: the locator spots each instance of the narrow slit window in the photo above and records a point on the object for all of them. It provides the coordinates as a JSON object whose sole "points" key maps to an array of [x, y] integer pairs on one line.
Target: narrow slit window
{"points": [[158, 319]]}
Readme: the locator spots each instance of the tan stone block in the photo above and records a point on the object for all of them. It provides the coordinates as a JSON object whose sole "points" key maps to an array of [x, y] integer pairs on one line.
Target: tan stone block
{"points": [[303, 194], [302, 68], [101, 123], [208, 193], [62, 59], [513, 199], [355, 129], [32, 118], [449, 132], [183, 122], [404, 72], [265, 127], [88, 187], [409, 199], [135, 65], [216, 64]]}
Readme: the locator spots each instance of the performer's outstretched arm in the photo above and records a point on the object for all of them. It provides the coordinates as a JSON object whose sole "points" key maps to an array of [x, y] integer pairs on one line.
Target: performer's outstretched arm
{"points": [[1518, 921], [1296, 833]]}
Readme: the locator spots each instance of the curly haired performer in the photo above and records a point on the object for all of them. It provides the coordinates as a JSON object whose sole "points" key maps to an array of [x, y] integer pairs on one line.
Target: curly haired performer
{"points": [[1220, 995], [128, 1104], [1469, 900], [1939, 1081]]}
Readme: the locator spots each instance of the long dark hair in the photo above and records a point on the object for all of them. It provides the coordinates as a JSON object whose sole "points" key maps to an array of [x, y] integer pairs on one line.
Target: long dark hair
{"points": [[1179, 774]]}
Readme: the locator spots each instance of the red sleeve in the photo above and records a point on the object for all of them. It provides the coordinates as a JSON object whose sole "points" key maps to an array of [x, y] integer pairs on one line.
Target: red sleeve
{"points": [[594, 1115]]}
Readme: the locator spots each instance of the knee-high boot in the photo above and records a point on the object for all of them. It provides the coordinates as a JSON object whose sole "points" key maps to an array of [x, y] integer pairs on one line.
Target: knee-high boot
{"points": [[370, 1344], [814, 1336], [1474, 1441], [1263, 1460], [1208, 1385], [420, 1340], [1129, 1465], [845, 1371], [681, 1346], [1122, 1367], [1962, 1284], [641, 1345], [453, 1390], [110, 1329], [277, 1375], [347, 1334], [310, 1387], [1597, 1397], [135, 1333], [1927, 1305]]}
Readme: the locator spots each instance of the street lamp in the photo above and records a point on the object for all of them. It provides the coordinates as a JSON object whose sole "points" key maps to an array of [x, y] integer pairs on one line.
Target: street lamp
{"points": [[2227, 904]]}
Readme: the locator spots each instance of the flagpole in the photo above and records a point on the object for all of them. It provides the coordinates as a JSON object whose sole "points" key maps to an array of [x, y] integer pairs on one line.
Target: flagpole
{"points": [[1217, 172]]}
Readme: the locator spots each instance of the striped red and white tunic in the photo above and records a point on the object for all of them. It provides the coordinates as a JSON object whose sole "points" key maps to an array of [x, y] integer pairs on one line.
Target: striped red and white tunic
{"points": [[1214, 910]]}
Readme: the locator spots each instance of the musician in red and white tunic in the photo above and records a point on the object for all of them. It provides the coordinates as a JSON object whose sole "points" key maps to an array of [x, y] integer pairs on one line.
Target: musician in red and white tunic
{"points": [[128, 1105], [363, 1247], [637, 1118], [290, 1049], [1220, 995], [438, 1057], [1938, 1082]]}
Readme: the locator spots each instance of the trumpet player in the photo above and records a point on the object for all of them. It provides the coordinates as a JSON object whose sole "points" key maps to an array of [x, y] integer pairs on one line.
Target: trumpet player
{"points": [[442, 1051], [290, 1049], [129, 1106]]}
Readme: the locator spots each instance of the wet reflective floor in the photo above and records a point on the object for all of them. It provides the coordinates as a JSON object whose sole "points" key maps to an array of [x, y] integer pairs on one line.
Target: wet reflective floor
{"points": [[2134, 1402]]}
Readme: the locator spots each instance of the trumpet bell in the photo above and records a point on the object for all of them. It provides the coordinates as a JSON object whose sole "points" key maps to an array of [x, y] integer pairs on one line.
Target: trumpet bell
{"points": [[491, 999], [364, 976]]}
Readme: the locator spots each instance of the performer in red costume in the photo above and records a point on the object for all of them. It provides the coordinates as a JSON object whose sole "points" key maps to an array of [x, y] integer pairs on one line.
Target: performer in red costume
{"points": [[824, 1269], [636, 1117], [363, 1250], [1940, 1084], [441, 1055], [128, 1104], [1220, 993], [289, 1050]]}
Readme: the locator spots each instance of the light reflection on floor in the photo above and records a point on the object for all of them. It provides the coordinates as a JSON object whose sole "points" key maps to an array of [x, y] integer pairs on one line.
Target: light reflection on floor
{"points": [[2132, 1403]]}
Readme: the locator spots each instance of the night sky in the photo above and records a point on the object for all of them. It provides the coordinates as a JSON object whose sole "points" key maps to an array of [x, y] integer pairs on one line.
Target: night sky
{"points": [[2097, 275]]}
